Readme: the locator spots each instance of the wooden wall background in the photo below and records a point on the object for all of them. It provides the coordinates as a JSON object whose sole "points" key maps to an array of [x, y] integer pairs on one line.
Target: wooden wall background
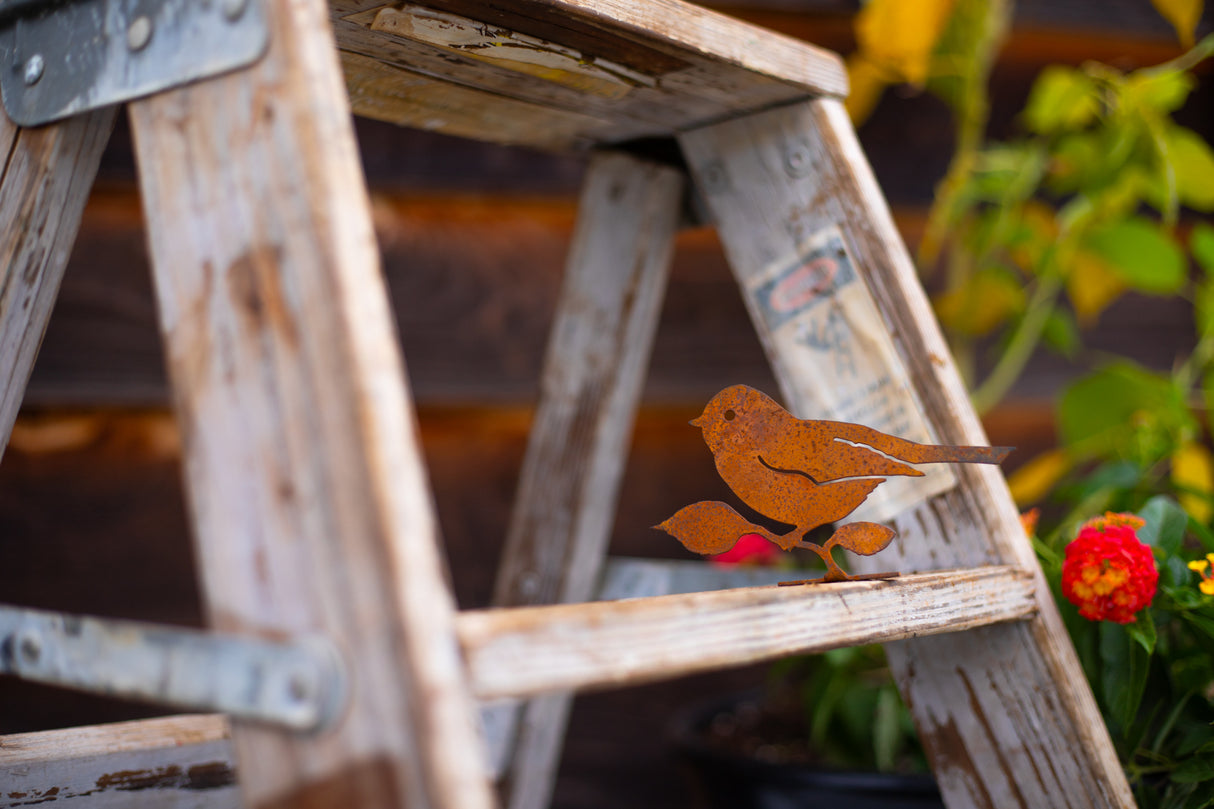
{"points": [[92, 517]]}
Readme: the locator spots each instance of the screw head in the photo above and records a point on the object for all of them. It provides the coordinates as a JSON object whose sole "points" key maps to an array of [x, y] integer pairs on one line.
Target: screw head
{"points": [[300, 687], [35, 66], [139, 33], [796, 161], [529, 584], [30, 647], [233, 9]]}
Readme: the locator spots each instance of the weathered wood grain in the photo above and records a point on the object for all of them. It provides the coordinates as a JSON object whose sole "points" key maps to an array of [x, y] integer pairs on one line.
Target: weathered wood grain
{"points": [[597, 356], [45, 179], [310, 504], [529, 650], [1027, 733], [625, 69], [178, 762], [383, 90]]}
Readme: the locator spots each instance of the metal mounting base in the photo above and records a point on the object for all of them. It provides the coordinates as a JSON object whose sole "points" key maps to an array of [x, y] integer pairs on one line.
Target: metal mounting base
{"points": [[63, 58], [298, 684]]}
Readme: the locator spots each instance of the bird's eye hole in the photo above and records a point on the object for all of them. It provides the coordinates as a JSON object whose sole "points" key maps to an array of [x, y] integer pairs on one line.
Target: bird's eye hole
{"points": [[729, 414]]}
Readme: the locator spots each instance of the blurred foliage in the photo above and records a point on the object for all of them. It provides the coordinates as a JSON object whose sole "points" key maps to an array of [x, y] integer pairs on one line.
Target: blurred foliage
{"points": [[853, 713], [1030, 240], [1154, 678]]}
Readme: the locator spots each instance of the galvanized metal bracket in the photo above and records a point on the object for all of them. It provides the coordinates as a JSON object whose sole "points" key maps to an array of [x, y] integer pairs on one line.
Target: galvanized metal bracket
{"points": [[300, 685], [64, 57]]}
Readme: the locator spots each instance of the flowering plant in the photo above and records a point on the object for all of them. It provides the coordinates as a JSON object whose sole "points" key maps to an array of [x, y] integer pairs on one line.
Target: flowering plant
{"points": [[1136, 593]]}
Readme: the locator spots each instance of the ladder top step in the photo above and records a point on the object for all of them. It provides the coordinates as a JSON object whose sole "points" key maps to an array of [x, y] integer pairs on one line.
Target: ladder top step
{"points": [[568, 74], [525, 651]]}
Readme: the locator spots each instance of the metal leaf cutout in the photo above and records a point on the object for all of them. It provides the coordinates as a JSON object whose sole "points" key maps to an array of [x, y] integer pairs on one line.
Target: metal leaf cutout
{"points": [[805, 473]]}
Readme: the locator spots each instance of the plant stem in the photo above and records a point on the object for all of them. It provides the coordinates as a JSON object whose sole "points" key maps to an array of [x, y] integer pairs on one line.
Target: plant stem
{"points": [[1186, 61], [1020, 348], [973, 110]]}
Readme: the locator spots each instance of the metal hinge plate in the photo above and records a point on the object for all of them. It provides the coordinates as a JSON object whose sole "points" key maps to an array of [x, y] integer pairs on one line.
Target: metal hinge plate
{"points": [[65, 57], [298, 684]]}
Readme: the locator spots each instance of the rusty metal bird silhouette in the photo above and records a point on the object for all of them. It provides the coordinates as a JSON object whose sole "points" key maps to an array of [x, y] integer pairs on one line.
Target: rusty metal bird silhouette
{"points": [[801, 472]]}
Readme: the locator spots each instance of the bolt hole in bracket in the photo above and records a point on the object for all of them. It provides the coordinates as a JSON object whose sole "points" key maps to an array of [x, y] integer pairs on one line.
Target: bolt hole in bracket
{"points": [[63, 57], [299, 684]]}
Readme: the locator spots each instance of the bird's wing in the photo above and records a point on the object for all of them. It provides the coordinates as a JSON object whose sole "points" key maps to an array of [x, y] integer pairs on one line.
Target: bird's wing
{"points": [[825, 451], [845, 460]]}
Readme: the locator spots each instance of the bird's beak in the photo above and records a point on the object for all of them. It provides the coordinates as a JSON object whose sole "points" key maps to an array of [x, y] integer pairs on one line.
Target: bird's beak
{"points": [[697, 421]]}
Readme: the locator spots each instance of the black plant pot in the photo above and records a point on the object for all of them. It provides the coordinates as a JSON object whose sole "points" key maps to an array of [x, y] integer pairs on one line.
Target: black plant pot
{"points": [[727, 780]]}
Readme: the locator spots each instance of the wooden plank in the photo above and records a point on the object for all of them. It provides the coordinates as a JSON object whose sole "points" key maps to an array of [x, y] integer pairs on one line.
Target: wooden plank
{"points": [[598, 353], [628, 69], [1028, 732], [310, 503], [178, 762], [383, 91], [44, 181], [529, 650]]}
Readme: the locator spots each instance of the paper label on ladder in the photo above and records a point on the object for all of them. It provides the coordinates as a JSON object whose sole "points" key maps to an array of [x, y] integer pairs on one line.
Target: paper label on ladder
{"points": [[834, 349]]}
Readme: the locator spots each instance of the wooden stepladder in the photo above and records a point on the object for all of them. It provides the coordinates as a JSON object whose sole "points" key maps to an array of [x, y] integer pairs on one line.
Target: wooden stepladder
{"points": [[309, 497]]}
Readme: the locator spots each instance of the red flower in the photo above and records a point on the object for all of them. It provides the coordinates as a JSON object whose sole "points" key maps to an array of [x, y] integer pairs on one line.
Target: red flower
{"points": [[1108, 574], [750, 549]]}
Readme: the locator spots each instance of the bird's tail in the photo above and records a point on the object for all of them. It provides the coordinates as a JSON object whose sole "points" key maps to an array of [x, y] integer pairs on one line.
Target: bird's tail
{"points": [[928, 453]]}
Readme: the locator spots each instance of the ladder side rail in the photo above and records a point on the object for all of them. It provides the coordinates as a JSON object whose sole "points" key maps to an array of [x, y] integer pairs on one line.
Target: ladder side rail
{"points": [[45, 181], [310, 503], [598, 353], [1005, 712]]}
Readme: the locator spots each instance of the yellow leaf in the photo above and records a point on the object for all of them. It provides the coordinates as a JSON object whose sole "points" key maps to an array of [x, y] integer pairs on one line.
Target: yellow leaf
{"points": [[1092, 285], [867, 82], [980, 305], [900, 36], [1193, 471], [1034, 480], [1183, 14], [1039, 232]]}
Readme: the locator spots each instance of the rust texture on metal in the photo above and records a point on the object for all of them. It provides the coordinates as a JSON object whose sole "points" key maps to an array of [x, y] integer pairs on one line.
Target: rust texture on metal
{"points": [[803, 473]]}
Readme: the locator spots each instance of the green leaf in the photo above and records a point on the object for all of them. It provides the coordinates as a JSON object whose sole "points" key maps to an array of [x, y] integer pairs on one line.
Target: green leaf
{"points": [[1201, 242], [886, 729], [1201, 622], [1193, 163], [1142, 253], [1124, 674], [1203, 307], [1165, 524], [1076, 158], [1162, 91], [1203, 534], [1123, 410], [1061, 333], [1207, 388], [1062, 98], [1201, 798], [1143, 631], [1195, 770]]}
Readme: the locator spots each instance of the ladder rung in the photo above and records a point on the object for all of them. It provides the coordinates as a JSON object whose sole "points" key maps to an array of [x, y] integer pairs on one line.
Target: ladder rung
{"points": [[526, 651], [181, 760]]}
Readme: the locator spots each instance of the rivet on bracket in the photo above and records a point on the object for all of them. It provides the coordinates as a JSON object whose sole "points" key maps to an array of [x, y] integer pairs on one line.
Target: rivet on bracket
{"points": [[34, 68]]}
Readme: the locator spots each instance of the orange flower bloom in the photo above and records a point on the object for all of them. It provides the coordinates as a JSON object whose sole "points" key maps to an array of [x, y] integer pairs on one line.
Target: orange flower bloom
{"points": [[1108, 574], [1028, 521]]}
